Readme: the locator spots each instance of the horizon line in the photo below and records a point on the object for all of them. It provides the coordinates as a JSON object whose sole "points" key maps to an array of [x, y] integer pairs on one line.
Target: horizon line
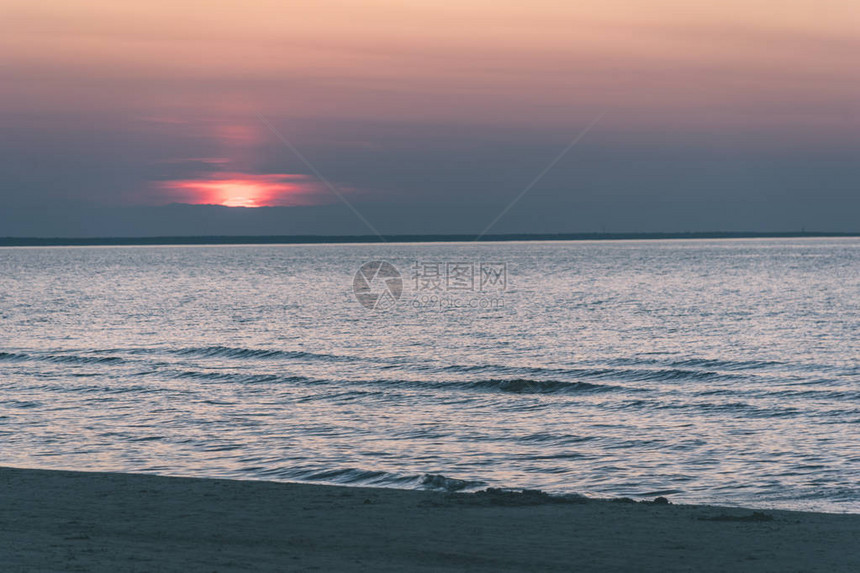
{"points": [[403, 238]]}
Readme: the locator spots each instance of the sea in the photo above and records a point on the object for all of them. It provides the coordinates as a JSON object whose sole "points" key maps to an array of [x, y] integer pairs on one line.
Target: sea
{"points": [[705, 371]]}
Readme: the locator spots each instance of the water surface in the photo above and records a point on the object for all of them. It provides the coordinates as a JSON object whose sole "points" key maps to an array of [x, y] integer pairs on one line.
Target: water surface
{"points": [[720, 371]]}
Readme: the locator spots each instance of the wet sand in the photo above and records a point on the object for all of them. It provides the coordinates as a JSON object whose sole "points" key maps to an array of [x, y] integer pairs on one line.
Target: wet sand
{"points": [[72, 521]]}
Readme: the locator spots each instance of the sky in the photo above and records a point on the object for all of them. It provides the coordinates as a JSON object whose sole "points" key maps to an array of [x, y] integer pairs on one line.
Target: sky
{"points": [[428, 116]]}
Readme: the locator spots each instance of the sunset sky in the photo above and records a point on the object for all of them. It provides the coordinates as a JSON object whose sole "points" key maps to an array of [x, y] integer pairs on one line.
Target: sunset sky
{"points": [[716, 116]]}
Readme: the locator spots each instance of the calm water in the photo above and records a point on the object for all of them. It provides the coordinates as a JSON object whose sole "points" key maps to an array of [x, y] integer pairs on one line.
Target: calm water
{"points": [[717, 371]]}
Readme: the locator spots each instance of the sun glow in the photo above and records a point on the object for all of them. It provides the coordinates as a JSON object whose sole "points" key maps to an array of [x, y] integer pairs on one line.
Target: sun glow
{"points": [[244, 190]]}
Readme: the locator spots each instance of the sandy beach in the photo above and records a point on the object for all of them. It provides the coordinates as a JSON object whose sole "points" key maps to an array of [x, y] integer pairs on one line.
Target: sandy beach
{"points": [[73, 521]]}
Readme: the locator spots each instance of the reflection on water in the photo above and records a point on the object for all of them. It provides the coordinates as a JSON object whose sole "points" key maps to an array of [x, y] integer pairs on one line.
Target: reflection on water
{"points": [[723, 371]]}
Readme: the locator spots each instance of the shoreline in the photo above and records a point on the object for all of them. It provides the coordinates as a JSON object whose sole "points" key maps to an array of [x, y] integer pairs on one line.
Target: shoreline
{"points": [[52, 520]]}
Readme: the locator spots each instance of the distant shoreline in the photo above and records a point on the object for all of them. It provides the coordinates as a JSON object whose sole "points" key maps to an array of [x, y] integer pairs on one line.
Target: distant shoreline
{"points": [[358, 239]]}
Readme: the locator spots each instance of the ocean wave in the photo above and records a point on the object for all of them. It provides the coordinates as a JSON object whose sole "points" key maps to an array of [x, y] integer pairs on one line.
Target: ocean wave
{"points": [[556, 439], [726, 364], [502, 385], [376, 478], [611, 373], [22, 404], [505, 385], [711, 363], [60, 358], [237, 378], [260, 354], [839, 394], [667, 374], [77, 359], [744, 409], [13, 356], [527, 386]]}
